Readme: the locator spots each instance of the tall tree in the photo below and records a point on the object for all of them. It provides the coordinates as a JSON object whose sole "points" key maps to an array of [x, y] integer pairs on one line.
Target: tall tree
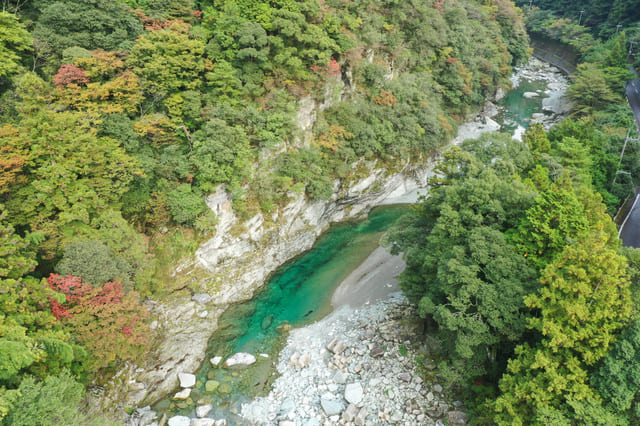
{"points": [[14, 38], [583, 303], [461, 270], [168, 60], [90, 24], [69, 173]]}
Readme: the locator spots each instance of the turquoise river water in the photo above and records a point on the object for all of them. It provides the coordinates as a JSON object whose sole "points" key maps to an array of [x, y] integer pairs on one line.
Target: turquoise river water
{"points": [[298, 293]]}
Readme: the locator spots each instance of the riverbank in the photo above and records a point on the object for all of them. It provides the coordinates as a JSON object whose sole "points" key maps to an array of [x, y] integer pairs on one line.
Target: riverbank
{"points": [[373, 280], [356, 366]]}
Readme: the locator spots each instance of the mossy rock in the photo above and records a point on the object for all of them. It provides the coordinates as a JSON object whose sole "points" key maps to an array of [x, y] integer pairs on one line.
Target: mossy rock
{"points": [[211, 386], [224, 388]]}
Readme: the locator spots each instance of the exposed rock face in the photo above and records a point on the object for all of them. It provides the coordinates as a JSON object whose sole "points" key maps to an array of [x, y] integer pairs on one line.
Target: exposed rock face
{"points": [[231, 266]]}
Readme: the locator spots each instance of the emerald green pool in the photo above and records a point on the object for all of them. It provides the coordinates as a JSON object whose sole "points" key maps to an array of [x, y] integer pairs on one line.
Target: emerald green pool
{"points": [[519, 109], [298, 293]]}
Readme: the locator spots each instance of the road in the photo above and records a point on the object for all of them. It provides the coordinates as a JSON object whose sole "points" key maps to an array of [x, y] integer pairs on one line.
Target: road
{"points": [[633, 95], [630, 230]]}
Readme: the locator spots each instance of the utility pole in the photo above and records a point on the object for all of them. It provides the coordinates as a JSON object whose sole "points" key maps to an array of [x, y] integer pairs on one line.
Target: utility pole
{"points": [[580, 20], [624, 147], [530, 4]]}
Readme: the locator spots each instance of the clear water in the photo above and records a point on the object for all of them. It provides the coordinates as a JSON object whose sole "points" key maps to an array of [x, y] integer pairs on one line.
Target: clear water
{"points": [[298, 293], [519, 109]]}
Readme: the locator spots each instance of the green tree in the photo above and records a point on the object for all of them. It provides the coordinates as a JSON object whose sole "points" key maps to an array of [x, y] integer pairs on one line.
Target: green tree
{"points": [[168, 60], [31, 341], [618, 375], [590, 90], [186, 204], [94, 262], [69, 174], [220, 154], [555, 220], [461, 270], [89, 24], [55, 400], [582, 304], [14, 38]]}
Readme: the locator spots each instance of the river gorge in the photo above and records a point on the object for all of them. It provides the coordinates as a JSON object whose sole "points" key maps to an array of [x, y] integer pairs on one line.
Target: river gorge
{"points": [[342, 357]]}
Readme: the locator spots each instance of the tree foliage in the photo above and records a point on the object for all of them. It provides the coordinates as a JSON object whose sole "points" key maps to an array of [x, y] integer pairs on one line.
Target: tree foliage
{"points": [[461, 270], [89, 24], [106, 322], [14, 39]]}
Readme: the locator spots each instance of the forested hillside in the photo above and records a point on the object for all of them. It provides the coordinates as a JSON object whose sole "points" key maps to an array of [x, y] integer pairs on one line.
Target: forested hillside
{"points": [[514, 262], [117, 118]]}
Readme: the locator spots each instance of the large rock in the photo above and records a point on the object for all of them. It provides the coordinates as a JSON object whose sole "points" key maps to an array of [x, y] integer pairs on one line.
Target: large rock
{"points": [[331, 407], [353, 393], [239, 360], [179, 421], [186, 380], [203, 410]]}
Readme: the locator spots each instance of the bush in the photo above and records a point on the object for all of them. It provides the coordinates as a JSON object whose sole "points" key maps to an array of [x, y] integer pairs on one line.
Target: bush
{"points": [[185, 204], [94, 262]]}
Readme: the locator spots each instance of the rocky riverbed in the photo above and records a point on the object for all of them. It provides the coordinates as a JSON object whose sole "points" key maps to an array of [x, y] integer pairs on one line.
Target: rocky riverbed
{"points": [[356, 366]]}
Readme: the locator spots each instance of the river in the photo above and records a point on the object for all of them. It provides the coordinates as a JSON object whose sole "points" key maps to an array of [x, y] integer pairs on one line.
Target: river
{"points": [[299, 292]]}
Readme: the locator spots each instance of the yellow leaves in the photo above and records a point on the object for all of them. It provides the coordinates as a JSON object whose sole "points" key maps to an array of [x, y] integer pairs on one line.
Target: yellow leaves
{"points": [[333, 138], [112, 88], [155, 128], [102, 65], [385, 98], [444, 123], [12, 158]]}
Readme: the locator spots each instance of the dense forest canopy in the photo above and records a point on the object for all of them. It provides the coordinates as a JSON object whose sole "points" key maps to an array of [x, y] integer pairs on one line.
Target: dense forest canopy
{"points": [[117, 118], [513, 259], [603, 15]]}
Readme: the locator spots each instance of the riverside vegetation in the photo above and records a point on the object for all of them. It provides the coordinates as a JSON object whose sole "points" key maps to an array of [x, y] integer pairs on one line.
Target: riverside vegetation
{"points": [[118, 117]]}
